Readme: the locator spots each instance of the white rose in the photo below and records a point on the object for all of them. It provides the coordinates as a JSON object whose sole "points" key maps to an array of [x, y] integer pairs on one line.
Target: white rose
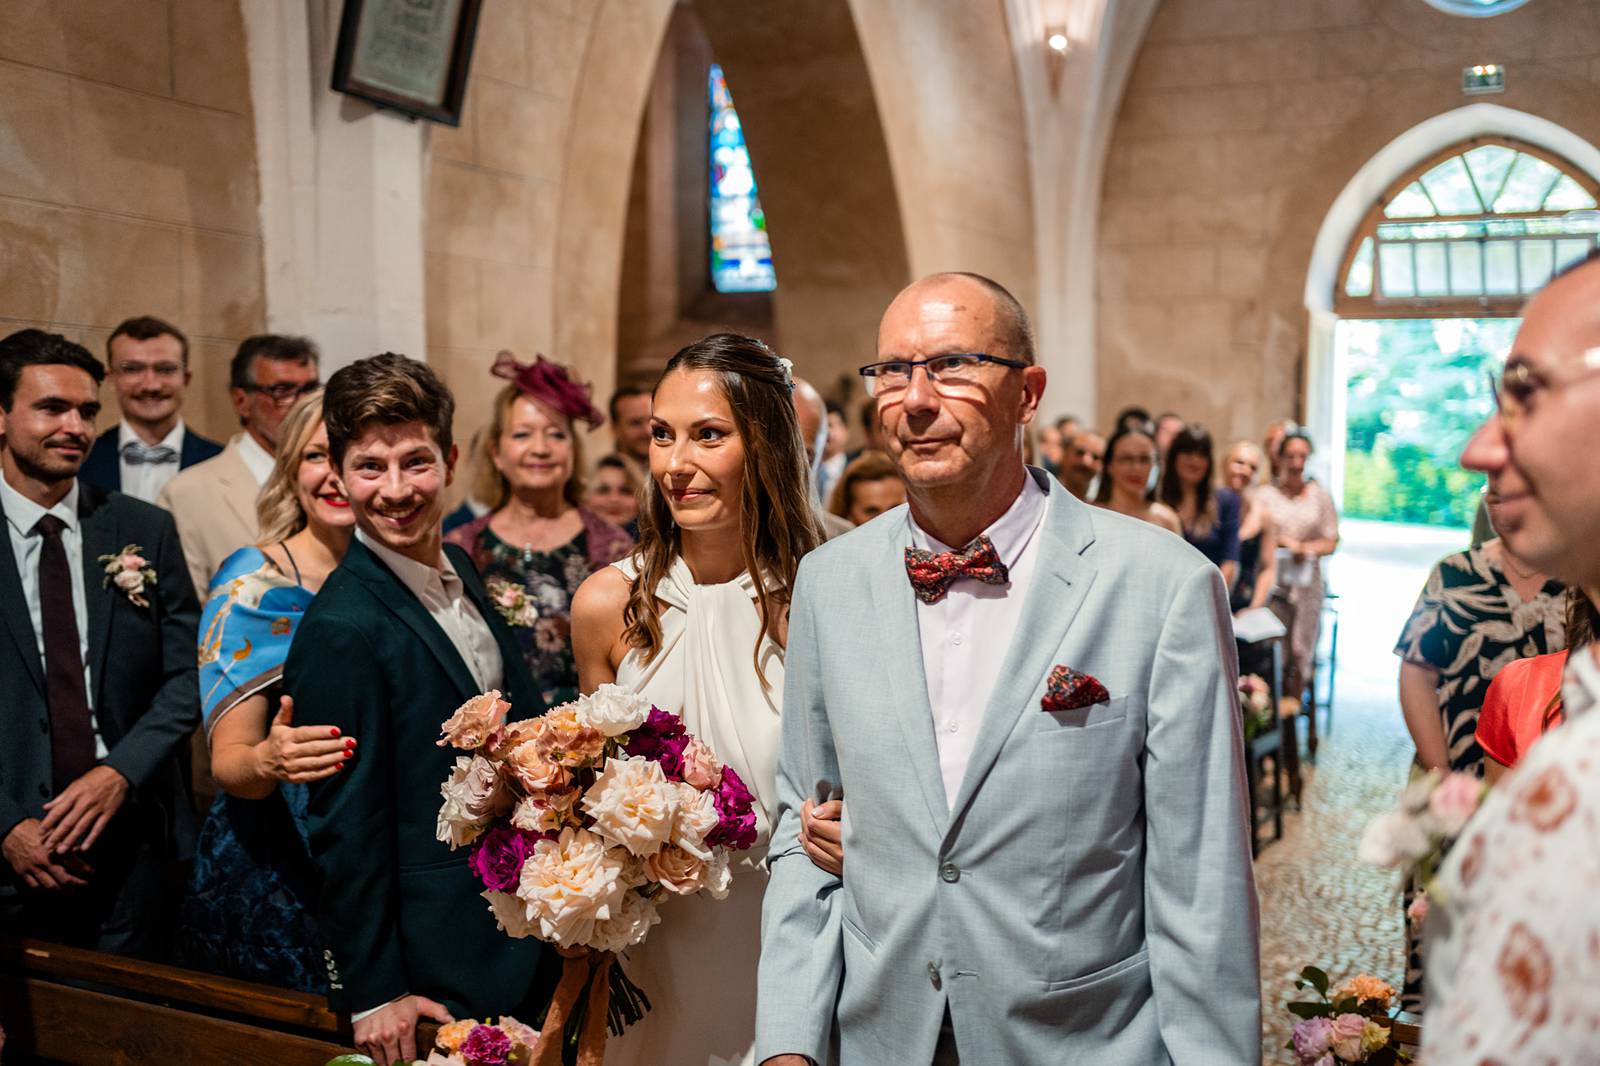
{"points": [[1393, 840], [697, 817], [510, 914], [633, 804], [473, 796], [629, 927], [129, 580], [571, 883], [718, 877], [613, 710]]}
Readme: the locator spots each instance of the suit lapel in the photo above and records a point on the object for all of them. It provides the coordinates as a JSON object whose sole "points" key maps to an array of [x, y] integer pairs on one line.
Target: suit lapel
{"points": [[1061, 580], [895, 605], [98, 524], [14, 608], [510, 651], [398, 599]]}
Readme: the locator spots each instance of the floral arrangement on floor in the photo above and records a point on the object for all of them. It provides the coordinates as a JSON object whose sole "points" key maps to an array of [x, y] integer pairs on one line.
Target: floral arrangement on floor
{"points": [[469, 1042], [1352, 1026], [580, 823], [1255, 700], [1415, 837], [512, 602]]}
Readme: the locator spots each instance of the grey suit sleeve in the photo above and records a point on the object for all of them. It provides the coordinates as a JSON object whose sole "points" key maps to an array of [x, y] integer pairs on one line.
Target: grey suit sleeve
{"points": [[174, 713], [802, 959], [1201, 919]]}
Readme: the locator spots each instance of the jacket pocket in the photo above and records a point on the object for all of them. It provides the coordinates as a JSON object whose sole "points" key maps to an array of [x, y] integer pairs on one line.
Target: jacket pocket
{"points": [[1139, 960], [1052, 723], [863, 941]]}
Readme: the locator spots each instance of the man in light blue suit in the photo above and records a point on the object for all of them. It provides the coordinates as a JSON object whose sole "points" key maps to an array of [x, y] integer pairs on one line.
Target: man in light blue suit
{"points": [[1030, 707]]}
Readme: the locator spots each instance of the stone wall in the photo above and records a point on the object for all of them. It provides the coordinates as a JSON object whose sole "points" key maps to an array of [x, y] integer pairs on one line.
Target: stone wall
{"points": [[128, 179]]}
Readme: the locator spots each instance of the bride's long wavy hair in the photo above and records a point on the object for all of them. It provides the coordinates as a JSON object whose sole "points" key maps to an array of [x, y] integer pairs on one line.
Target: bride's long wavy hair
{"points": [[776, 522]]}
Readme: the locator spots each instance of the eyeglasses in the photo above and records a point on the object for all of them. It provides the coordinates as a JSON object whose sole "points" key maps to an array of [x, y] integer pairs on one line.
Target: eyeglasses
{"points": [[131, 371], [285, 392], [1519, 385], [958, 368]]}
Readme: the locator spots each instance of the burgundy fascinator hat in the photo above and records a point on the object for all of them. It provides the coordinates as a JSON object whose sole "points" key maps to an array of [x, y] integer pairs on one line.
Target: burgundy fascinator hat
{"points": [[550, 384]]}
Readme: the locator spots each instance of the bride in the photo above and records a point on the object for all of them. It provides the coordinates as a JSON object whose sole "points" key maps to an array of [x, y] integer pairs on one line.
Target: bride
{"points": [[686, 622]]}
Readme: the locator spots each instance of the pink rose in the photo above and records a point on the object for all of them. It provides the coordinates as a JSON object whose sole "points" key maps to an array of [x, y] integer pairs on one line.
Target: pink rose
{"points": [[700, 766], [473, 796], [469, 728], [1454, 802], [132, 561], [565, 739], [676, 870], [546, 814], [1348, 1030], [535, 770], [1419, 907]]}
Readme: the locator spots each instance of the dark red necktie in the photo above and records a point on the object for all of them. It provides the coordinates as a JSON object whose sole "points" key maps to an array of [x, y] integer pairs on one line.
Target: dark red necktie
{"points": [[932, 574], [71, 735]]}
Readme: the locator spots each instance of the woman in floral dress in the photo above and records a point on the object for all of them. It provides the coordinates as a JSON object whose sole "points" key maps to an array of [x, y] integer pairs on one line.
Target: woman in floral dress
{"points": [[538, 542], [1308, 529]]}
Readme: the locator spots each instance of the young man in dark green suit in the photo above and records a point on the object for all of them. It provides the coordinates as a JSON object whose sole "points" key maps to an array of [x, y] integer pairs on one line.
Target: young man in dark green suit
{"points": [[400, 635]]}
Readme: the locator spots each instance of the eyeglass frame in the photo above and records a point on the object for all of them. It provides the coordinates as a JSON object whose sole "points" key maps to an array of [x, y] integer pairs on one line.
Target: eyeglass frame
{"points": [[1520, 375], [870, 372], [132, 371], [284, 392]]}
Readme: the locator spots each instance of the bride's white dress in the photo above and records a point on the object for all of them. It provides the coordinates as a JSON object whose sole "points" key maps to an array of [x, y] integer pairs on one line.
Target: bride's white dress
{"points": [[698, 967]]}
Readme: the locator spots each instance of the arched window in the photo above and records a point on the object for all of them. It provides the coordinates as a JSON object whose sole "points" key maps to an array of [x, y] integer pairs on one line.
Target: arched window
{"points": [[741, 254], [1477, 8], [1470, 232]]}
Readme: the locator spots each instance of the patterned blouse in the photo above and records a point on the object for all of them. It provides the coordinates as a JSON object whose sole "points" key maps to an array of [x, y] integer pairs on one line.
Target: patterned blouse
{"points": [[550, 580], [1467, 624], [1514, 934]]}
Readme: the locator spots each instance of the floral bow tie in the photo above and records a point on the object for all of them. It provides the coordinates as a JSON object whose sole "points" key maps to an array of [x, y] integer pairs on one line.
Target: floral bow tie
{"points": [[932, 574]]}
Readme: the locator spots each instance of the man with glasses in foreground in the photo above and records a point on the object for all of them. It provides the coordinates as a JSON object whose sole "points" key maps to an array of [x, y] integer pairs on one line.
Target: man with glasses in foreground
{"points": [[1029, 707], [215, 502], [1513, 936], [149, 362]]}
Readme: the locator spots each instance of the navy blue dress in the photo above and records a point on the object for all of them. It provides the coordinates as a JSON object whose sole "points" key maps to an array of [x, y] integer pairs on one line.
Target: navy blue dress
{"points": [[1220, 543]]}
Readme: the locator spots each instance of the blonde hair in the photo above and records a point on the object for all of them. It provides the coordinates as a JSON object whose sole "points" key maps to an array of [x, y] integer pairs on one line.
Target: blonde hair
{"points": [[1263, 470], [278, 510], [488, 484]]}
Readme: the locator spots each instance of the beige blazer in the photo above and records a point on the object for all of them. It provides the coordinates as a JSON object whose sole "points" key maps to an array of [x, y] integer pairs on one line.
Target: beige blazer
{"points": [[214, 505]]}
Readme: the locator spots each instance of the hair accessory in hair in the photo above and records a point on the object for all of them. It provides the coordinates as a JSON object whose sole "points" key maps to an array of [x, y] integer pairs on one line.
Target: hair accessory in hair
{"points": [[550, 383]]}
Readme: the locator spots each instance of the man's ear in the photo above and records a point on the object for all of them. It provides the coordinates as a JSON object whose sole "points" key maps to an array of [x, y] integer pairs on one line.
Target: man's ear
{"points": [[241, 403], [450, 464], [1033, 382]]}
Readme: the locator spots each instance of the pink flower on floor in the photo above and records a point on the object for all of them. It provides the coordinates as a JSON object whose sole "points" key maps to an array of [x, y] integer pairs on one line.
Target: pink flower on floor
{"points": [[1419, 907], [486, 1045], [1348, 1031]]}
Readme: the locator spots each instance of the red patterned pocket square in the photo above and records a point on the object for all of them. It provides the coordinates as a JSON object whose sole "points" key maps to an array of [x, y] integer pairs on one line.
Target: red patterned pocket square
{"points": [[1068, 690]]}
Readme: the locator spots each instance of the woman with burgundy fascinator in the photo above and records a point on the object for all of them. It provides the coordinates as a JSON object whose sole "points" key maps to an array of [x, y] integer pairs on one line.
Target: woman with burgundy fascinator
{"points": [[538, 542]]}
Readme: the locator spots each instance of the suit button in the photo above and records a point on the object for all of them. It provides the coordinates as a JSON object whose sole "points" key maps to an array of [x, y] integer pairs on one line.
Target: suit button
{"points": [[950, 872], [933, 973]]}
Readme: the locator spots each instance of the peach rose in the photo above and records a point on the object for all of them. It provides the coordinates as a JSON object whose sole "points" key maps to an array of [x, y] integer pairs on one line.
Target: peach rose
{"points": [[633, 804], [701, 767], [571, 883], [566, 740], [676, 870], [450, 1036], [546, 814], [535, 770], [474, 721]]}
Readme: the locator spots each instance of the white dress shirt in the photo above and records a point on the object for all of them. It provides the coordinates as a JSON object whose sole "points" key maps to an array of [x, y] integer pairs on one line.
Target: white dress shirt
{"points": [[257, 459], [22, 514], [145, 481], [966, 635]]}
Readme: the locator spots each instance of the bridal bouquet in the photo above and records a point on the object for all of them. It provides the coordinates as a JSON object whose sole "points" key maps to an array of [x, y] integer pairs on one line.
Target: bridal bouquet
{"points": [[580, 823], [1415, 837]]}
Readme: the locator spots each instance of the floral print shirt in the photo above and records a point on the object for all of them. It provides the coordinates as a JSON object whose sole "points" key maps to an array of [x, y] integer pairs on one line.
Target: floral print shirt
{"points": [[1514, 933]]}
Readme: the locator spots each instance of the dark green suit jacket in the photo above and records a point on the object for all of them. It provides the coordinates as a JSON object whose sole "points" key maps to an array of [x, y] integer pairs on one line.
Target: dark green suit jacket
{"points": [[399, 911]]}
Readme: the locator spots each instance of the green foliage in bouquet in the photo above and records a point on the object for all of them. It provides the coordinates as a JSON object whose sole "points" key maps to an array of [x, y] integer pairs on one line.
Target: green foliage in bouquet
{"points": [[1350, 1025]]}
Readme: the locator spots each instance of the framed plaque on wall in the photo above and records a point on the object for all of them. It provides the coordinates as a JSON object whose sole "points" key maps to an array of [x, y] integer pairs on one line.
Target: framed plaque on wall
{"points": [[408, 55]]}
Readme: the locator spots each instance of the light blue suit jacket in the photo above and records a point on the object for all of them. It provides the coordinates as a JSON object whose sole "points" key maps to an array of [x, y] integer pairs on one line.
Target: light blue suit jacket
{"points": [[1088, 895]]}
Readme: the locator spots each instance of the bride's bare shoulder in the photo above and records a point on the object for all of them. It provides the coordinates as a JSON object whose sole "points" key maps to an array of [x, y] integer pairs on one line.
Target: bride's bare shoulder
{"points": [[601, 598]]}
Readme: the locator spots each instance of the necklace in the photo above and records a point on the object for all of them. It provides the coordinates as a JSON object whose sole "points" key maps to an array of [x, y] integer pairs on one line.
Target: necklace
{"points": [[1516, 571]]}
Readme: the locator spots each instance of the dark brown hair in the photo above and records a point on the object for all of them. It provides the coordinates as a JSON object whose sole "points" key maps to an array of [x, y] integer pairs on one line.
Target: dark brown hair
{"points": [[869, 466], [1192, 439], [1582, 622], [777, 526], [35, 347], [386, 390], [1127, 429], [148, 327], [276, 346]]}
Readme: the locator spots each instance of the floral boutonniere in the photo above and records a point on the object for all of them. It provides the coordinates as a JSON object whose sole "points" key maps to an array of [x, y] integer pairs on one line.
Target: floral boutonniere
{"points": [[511, 599], [131, 572]]}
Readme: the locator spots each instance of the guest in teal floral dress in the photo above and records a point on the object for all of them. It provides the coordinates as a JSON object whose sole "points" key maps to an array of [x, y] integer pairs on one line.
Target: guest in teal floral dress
{"points": [[538, 542], [248, 911]]}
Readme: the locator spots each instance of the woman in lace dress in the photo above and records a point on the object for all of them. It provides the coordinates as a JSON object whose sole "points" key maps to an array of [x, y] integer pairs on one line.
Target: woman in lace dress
{"points": [[696, 620]]}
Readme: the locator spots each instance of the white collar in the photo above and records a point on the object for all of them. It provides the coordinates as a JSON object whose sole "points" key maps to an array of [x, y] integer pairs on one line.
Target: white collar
{"points": [[1010, 533], [418, 577], [173, 440], [25, 514], [256, 458]]}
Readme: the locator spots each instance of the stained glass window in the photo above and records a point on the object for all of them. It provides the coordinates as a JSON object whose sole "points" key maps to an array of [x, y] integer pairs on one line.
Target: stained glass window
{"points": [[1489, 221], [1477, 8], [741, 254]]}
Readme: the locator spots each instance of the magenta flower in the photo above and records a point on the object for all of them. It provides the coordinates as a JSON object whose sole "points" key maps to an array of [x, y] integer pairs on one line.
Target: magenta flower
{"points": [[736, 816], [486, 1045], [661, 739], [497, 857]]}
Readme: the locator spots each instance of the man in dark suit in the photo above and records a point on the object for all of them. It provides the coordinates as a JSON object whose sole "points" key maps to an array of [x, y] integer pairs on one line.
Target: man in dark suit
{"points": [[149, 362], [97, 672], [401, 634]]}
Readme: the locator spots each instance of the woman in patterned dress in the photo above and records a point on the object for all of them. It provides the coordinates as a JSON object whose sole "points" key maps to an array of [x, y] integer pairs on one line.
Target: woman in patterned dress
{"points": [[538, 537], [1308, 529]]}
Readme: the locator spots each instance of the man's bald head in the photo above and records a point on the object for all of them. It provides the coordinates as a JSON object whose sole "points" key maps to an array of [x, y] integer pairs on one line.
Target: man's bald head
{"points": [[985, 297], [812, 413]]}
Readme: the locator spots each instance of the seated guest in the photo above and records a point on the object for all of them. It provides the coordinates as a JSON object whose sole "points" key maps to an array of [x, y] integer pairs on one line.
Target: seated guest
{"points": [[614, 493], [1084, 458], [1524, 699], [834, 459], [98, 682], [1209, 514], [1258, 537], [539, 535], [1125, 487], [812, 416], [400, 635], [248, 913], [870, 486], [215, 502], [1168, 425], [149, 361]]}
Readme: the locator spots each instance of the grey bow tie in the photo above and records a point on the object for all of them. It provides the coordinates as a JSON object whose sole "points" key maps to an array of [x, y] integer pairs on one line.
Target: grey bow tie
{"points": [[138, 453]]}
